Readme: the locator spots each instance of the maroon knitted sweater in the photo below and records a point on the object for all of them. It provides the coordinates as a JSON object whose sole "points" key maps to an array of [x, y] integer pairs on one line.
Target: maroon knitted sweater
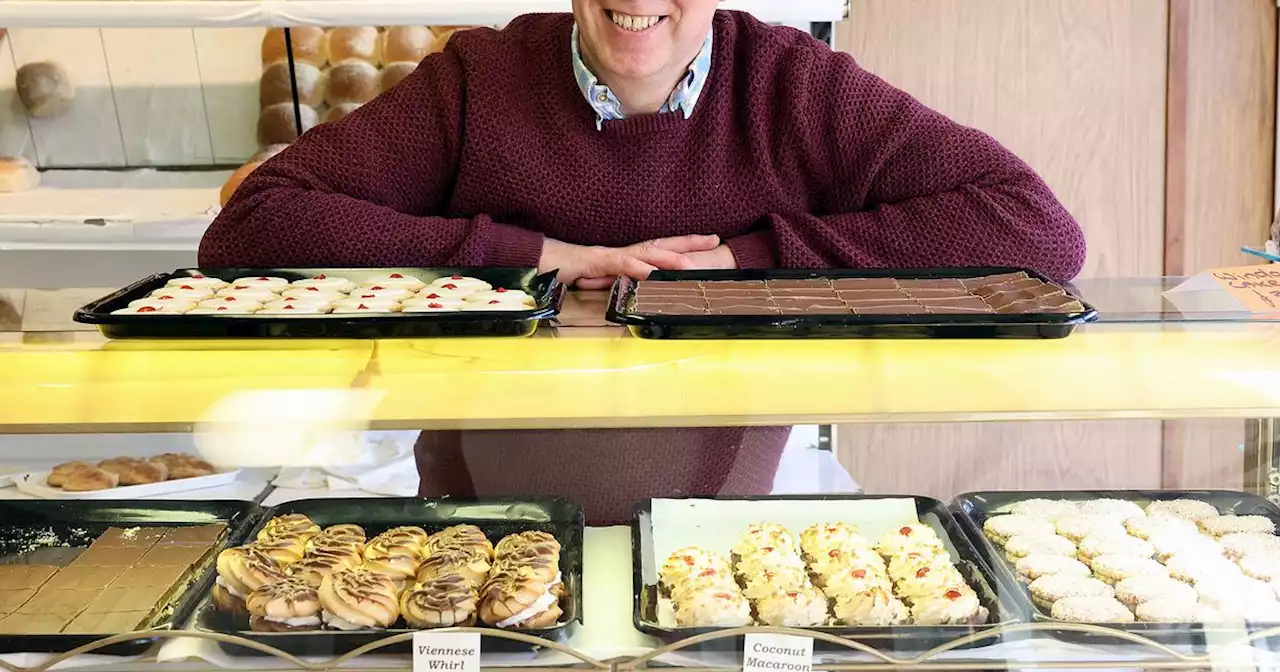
{"points": [[794, 155]]}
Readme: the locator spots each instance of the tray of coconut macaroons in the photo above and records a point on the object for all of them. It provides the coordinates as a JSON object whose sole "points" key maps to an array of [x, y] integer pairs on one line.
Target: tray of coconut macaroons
{"points": [[329, 303], [895, 573], [329, 576], [1175, 566]]}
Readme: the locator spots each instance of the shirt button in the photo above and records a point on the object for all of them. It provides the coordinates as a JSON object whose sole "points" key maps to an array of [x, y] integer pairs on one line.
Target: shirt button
{"points": [[604, 98]]}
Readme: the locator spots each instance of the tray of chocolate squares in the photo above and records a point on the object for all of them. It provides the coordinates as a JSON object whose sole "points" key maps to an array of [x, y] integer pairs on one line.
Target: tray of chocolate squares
{"points": [[886, 303], [73, 572]]}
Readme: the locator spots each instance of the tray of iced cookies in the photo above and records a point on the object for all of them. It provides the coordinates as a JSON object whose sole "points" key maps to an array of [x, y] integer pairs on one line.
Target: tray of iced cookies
{"points": [[125, 478], [1173, 566], [329, 303], [330, 576], [896, 573]]}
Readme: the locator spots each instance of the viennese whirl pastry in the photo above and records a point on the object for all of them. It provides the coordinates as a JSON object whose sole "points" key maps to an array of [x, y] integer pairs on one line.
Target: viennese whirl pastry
{"points": [[519, 600], [345, 531], [284, 606], [358, 599], [313, 568], [441, 602], [293, 525], [543, 543], [468, 536], [285, 550], [471, 563], [242, 570]]}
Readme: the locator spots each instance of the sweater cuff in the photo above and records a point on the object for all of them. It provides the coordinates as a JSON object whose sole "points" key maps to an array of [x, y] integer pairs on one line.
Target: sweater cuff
{"points": [[754, 250], [513, 246]]}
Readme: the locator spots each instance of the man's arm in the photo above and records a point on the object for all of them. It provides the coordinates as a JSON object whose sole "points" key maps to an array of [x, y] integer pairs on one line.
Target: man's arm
{"points": [[910, 188], [366, 191]]}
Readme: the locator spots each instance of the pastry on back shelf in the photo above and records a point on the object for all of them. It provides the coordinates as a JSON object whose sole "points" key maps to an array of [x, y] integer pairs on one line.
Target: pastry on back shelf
{"points": [[134, 471], [181, 465], [288, 605], [90, 480], [58, 476], [441, 602], [358, 599]]}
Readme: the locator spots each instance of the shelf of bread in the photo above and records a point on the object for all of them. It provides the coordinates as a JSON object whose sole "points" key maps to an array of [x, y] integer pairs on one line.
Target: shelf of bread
{"points": [[228, 13], [606, 379]]}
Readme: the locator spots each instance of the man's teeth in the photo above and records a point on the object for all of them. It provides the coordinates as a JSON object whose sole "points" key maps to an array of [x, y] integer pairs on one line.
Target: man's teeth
{"points": [[636, 23]]}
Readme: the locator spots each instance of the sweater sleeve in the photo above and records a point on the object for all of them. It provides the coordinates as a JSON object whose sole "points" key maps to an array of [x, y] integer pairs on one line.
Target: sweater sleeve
{"points": [[369, 191], [909, 188]]}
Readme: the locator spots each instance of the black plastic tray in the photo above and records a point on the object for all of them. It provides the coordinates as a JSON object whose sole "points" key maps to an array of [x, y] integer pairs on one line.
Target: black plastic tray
{"points": [[1026, 325], [903, 638], [974, 508], [545, 289], [51, 531], [498, 517]]}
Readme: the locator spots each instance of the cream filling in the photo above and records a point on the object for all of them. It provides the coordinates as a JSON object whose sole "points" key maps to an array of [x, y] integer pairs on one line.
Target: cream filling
{"points": [[297, 621], [229, 588], [340, 623], [540, 605], [634, 23]]}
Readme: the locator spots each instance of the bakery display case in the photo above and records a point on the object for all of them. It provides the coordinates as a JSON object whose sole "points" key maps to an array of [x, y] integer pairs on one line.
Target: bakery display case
{"points": [[1052, 546]]}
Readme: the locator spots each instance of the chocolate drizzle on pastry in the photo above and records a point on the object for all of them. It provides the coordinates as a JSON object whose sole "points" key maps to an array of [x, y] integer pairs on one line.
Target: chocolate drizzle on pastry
{"points": [[441, 602]]}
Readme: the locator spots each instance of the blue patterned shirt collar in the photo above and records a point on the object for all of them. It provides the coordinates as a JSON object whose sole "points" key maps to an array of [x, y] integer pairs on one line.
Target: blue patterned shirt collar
{"points": [[607, 106]]}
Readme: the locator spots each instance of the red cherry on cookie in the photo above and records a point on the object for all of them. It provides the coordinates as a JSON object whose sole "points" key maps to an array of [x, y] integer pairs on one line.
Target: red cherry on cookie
{"points": [[455, 277], [494, 303], [707, 572], [197, 276], [262, 277], [319, 277], [362, 307], [501, 290], [288, 307], [189, 287], [859, 573], [906, 531], [433, 296], [397, 276], [952, 594], [147, 309], [435, 305], [449, 286], [793, 595], [833, 553], [166, 296], [922, 572]]}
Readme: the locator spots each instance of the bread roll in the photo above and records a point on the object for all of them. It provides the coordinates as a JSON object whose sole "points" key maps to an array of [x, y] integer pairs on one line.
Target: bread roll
{"points": [[276, 124], [352, 82], [394, 72], [234, 181], [267, 152], [309, 46], [45, 89], [338, 112], [274, 87], [407, 43], [441, 30], [359, 43], [17, 174]]}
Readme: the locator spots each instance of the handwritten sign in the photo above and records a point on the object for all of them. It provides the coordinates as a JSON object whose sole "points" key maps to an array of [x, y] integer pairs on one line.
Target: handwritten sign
{"points": [[1252, 288], [777, 653], [446, 652]]}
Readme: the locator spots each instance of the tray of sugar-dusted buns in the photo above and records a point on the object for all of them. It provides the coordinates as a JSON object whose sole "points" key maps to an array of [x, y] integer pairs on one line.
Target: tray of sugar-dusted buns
{"points": [[329, 303], [329, 576], [75, 572], [896, 573], [1174, 566]]}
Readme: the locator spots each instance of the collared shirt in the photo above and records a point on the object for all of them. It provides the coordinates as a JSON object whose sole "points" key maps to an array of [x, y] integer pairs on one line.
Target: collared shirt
{"points": [[607, 106]]}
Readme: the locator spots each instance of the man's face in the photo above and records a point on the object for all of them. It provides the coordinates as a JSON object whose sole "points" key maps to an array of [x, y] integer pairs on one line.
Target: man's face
{"points": [[637, 39]]}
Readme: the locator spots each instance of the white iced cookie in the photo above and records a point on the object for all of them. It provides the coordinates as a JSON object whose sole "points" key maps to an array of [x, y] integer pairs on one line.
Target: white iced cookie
{"points": [[312, 293], [462, 282], [229, 302], [233, 309], [197, 280], [442, 293], [325, 283], [366, 306], [491, 306], [275, 285], [176, 294], [151, 305], [281, 308], [321, 304], [165, 309], [503, 295], [385, 293], [394, 280], [259, 295], [431, 306]]}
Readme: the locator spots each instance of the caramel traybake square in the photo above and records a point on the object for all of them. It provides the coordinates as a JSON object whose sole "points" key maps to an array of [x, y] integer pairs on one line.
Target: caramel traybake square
{"points": [[177, 555], [65, 603], [119, 598], [32, 624], [20, 577], [109, 555], [194, 534], [130, 537], [84, 577], [107, 622], [146, 577], [11, 600]]}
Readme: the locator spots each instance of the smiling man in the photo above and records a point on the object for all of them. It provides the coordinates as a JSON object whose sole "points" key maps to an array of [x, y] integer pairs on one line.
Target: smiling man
{"points": [[631, 136]]}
